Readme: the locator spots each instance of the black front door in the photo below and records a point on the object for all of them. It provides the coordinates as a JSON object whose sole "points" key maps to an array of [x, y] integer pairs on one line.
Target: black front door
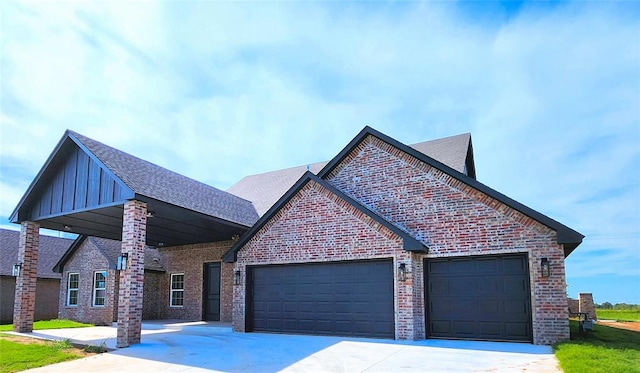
{"points": [[211, 289]]}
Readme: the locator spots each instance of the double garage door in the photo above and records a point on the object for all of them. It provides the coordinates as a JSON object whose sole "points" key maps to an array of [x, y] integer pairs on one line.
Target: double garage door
{"points": [[483, 298], [344, 298]]}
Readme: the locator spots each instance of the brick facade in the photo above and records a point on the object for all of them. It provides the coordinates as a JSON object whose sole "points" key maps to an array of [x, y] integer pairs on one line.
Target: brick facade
{"points": [[131, 284], [317, 226], [187, 259], [448, 216], [190, 260], [86, 262], [25, 296]]}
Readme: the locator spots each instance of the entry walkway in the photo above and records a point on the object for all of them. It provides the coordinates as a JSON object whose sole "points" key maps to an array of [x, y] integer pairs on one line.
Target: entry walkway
{"points": [[200, 346]]}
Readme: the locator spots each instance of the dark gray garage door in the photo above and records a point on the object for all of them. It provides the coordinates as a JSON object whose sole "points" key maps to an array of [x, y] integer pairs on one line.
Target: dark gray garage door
{"points": [[484, 298], [344, 298]]}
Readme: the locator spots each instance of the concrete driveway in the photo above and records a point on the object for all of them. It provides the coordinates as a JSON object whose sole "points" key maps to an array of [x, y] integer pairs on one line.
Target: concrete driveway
{"points": [[198, 347]]}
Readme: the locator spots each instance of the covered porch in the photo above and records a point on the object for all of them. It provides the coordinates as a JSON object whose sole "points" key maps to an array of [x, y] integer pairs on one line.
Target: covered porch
{"points": [[88, 188]]}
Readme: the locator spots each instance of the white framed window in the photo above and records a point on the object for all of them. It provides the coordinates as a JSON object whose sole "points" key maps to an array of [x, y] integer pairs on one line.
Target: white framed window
{"points": [[73, 284], [99, 288], [176, 298]]}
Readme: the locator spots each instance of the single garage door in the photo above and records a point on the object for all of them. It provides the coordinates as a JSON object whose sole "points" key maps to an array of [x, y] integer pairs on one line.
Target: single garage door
{"points": [[343, 298], [483, 298]]}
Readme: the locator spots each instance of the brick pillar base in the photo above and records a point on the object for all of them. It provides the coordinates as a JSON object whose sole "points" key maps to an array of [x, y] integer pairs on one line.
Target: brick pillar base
{"points": [[24, 307], [134, 232], [586, 304]]}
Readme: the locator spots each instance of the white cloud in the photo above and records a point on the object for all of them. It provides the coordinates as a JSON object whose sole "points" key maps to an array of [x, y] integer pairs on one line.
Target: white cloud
{"points": [[217, 91]]}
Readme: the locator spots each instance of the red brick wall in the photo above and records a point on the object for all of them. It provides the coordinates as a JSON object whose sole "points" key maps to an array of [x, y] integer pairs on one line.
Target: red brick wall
{"points": [[47, 293], [317, 226], [86, 261], [453, 219], [190, 259], [47, 297], [7, 294], [153, 303]]}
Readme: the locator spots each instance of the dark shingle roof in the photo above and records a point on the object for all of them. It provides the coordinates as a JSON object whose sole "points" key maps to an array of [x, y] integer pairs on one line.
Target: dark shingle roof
{"points": [[110, 249], [266, 188], [50, 251], [152, 181]]}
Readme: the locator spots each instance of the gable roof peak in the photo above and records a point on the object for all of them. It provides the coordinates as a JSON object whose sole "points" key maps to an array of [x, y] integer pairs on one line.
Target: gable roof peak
{"points": [[565, 235], [147, 179]]}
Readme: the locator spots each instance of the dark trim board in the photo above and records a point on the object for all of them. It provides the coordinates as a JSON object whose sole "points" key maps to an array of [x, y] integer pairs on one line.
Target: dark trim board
{"points": [[350, 298], [478, 298]]}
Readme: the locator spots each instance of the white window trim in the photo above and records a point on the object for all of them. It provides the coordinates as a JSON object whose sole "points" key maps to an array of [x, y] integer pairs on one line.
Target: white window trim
{"points": [[171, 290], [69, 289], [95, 289]]}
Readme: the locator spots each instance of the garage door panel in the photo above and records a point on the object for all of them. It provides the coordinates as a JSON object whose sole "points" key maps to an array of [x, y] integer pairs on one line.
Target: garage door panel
{"points": [[479, 298], [486, 266], [463, 328], [517, 329], [345, 298], [489, 328], [514, 264]]}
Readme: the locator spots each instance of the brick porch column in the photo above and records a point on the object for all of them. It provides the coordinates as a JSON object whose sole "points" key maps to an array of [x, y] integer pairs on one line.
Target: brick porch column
{"points": [[24, 307], [134, 234]]}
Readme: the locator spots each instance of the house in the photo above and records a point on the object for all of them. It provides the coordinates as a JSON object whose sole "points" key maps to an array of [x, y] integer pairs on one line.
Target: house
{"points": [[88, 292], [385, 240], [47, 283], [89, 266]]}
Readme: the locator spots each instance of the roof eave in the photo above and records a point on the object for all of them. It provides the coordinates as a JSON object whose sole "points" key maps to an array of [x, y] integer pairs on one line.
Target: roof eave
{"points": [[59, 267]]}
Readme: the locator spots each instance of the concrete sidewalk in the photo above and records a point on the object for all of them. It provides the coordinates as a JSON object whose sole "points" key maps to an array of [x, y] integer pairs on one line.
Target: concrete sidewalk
{"points": [[199, 346]]}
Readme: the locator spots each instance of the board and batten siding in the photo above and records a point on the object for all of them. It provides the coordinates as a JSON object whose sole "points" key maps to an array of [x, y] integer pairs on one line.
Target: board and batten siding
{"points": [[79, 183]]}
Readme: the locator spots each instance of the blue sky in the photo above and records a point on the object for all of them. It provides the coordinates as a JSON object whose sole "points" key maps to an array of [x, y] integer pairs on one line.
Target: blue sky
{"points": [[550, 92]]}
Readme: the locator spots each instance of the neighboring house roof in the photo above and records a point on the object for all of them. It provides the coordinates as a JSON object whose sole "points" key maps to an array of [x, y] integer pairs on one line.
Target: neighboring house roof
{"points": [[110, 249], [408, 242], [266, 188], [50, 251], [150, 180]]}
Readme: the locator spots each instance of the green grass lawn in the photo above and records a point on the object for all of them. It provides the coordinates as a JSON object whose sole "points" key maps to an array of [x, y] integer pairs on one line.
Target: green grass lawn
{"points": [[619, 315], [16, 356], [48, 324], [606, 349]]}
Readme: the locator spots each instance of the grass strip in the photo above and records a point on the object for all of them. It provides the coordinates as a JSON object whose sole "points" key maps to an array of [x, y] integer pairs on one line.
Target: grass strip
{"points": [[16, 356], [605, 349], [49, 324]]}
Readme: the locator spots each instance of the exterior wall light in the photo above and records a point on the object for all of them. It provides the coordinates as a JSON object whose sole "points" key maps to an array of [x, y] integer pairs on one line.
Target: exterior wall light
{"points": [[17, 269], [402, 272], [545, 267], [122, 262], [236, 277]]}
